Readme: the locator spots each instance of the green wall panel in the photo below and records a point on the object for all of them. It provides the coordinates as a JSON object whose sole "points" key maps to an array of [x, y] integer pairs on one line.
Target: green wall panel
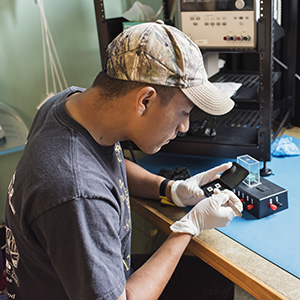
{"points": [[22, 84]]}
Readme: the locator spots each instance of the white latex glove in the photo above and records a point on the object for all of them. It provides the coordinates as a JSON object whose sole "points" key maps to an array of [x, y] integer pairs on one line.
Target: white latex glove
{"points": [[188, 192], [210, 213]]}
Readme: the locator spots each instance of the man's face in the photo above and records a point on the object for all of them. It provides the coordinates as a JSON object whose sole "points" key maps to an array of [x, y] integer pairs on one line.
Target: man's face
{"points": [[163, 122]]}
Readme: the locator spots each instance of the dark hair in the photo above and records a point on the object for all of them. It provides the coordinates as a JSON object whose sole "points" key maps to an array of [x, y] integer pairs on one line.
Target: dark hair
{"points": [[113, 88]]}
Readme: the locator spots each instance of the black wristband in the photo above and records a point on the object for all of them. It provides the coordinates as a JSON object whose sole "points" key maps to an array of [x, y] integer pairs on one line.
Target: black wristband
{"points": [[162, 188]]}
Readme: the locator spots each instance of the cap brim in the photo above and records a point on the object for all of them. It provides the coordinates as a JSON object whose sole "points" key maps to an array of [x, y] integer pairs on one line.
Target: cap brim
{"points": [[209, 98]]}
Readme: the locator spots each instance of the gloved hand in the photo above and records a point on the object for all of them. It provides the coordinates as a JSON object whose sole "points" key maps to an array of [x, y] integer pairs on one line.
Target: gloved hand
{"points": [[209, 213], [188, 192]]}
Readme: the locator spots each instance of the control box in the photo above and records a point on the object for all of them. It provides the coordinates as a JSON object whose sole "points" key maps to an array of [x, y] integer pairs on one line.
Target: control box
{"points": [[264, 199], [220, 24]]}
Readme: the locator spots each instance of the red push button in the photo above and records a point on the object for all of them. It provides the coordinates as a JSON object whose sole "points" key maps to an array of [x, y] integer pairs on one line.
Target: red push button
{"points": [[250, 206], [273, 206], [242, 200]]}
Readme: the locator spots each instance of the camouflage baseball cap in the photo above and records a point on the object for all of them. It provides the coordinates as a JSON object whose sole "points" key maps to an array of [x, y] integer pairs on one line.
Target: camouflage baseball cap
{"points": [[156, 53]]}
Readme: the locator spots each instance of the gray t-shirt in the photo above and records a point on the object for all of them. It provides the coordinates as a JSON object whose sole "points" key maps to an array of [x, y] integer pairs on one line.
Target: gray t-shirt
{"points": [[67, 213]]}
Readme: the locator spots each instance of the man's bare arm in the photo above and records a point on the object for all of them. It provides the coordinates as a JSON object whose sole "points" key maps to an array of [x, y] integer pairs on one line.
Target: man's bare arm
{"points": [[150, 279]]}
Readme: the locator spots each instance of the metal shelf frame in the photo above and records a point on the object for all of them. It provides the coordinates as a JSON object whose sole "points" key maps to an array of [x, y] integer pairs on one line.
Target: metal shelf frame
{"points": [[268, 125]]}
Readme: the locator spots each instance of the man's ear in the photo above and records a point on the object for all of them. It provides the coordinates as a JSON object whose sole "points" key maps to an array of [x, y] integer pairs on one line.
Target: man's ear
{"points": [[145, 96]]}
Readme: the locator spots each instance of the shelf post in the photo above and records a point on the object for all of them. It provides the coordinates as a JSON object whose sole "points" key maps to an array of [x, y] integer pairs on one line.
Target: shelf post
{"points": [[265, 91], [101, 27]]}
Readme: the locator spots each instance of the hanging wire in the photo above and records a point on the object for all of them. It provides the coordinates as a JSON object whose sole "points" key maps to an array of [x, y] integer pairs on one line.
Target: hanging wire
{"points": [[46, 36], [44, 56], [58, 61], [50, 55]]}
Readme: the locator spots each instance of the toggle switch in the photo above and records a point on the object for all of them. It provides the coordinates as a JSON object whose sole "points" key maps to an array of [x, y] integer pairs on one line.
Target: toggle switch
{"points": [[249, 206], [273, 207]]}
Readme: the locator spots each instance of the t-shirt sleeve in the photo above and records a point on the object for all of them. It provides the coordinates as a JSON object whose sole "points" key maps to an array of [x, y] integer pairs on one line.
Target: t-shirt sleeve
{"points": [[82, 240]]}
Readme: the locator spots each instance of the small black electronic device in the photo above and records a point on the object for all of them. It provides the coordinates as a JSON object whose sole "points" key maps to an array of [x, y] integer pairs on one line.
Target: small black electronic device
{"points": [[230, 179], [263, 200]]}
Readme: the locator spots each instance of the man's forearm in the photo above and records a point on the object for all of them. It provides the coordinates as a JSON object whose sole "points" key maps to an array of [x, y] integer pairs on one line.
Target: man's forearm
{"points": [[149, 281]]}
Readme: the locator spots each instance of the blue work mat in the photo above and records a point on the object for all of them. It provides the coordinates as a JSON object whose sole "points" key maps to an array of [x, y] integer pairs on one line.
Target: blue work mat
{"points": [[275, 237]]}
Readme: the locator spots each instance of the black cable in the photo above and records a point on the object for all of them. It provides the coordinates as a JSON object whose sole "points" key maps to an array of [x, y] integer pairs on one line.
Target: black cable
{"points": [[284, 66]]}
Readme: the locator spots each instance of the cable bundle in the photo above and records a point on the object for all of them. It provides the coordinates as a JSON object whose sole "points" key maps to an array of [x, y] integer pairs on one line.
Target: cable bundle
{"points": [[52, 63]]}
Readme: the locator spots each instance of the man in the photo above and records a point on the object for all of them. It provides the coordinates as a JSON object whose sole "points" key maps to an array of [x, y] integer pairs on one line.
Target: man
{"points": [[68, 213]]}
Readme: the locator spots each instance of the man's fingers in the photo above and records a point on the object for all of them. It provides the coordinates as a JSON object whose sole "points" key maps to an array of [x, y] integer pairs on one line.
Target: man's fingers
{"points": [[219, 169]]}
